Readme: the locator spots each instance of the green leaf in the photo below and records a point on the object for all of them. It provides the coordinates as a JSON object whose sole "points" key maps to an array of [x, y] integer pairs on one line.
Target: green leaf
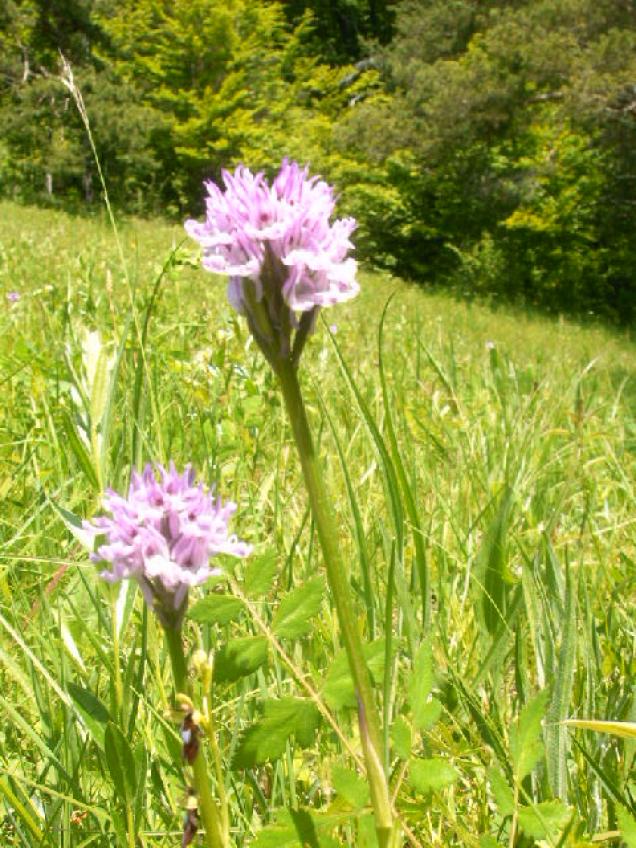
{"points": [[493, 564], [91, 710], [487, 841], [77, 447], [240, 657], [293, 616], [265, 740], [367, 834], [294, 828], [141, 766], [431, 775], [627, 825], [99, 389], [75, 526], [121, 763], [338, 690], [526, 744], [624, 729], [501, 791], [402, 738], [216, 609], [557, 741], [429, 714], [260, 574], [421, 683], [545, 820], [350, 786]]}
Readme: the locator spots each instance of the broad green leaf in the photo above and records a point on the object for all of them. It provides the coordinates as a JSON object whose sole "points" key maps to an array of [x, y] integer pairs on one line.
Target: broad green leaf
{"points": [[545, 820], [216, 609], [421, 683], [121, 763], [526, 744], [501, 791], [432, 774], [240, 657], [627, 825], [265, 740], [91, 710], [293, 617], [350, 786], [402, 738], [260, 574], [625, 729], [338, 690], [487, 841]]}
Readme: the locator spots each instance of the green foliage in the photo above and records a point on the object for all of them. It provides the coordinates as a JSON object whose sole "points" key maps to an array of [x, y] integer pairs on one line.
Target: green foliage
{"points": [[545, 820], [338, 690], [431, 775], [240, 657], [350, 787], [513, 120], [216, 609], [293, 617], [526, 745], [296, 828], [260, 574], [282, 720]]}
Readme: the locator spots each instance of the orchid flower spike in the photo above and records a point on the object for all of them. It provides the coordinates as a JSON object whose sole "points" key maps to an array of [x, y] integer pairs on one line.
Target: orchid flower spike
{"points": [[163, 535], [284, 257]]}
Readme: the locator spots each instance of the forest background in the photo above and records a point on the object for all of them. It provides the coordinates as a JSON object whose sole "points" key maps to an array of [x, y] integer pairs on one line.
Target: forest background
{"points": [[489, 147]]}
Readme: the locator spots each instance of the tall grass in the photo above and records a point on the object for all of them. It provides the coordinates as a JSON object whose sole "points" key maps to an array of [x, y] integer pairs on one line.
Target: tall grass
{"points": [[483, 466]]}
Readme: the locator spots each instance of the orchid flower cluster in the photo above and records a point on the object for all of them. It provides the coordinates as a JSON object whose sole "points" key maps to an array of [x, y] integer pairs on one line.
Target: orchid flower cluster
{"points": [[284, 257], [163, 536]]}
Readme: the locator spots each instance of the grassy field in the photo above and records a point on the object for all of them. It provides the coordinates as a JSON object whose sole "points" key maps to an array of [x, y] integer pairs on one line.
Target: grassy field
{"points": [[516, 437]]}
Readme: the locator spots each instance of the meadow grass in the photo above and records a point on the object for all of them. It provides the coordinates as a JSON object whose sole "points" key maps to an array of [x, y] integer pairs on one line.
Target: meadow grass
{"points": [[490, 451]]}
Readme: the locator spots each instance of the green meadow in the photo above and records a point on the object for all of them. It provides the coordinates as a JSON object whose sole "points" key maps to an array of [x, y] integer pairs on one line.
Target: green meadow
{"points": [[490, 451]]}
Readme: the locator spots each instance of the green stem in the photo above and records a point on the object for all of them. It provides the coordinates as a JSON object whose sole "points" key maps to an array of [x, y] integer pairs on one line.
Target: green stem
{"points": [[328, 534], [218, 770], [515, 818], [207, 806], [119, 690]]}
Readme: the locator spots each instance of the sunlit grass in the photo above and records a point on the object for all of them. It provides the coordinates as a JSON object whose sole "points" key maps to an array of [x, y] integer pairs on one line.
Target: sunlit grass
{"points": [[517, 436]]}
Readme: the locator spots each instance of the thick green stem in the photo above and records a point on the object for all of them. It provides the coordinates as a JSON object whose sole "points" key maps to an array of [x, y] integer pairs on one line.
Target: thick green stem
{"points": [[208, 811], [337, 576]]}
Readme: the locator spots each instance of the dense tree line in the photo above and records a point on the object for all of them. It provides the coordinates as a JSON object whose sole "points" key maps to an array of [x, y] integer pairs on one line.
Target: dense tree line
{"points": [[486, 146]]}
